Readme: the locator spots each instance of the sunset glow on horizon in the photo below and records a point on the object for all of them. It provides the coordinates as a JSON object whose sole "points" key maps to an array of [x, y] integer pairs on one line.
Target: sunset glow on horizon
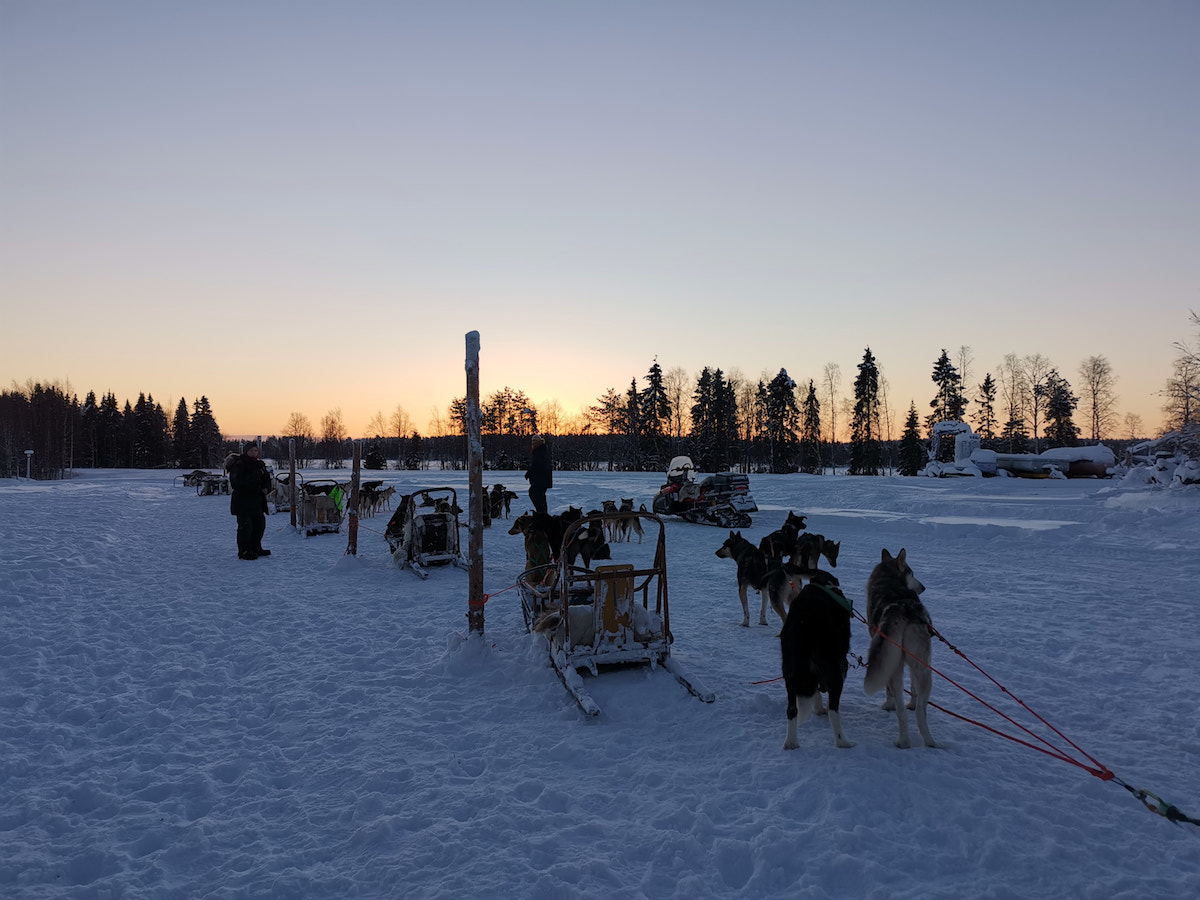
{"points": [[300, 207]]}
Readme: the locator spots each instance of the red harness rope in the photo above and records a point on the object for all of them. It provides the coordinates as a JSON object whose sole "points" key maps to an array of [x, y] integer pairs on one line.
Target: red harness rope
{"points": [[1097, 768]]}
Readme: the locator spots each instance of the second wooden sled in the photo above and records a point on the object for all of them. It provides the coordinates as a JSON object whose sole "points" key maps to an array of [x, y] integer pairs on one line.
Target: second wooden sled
{"points": [[423, 531], [611, 615]]}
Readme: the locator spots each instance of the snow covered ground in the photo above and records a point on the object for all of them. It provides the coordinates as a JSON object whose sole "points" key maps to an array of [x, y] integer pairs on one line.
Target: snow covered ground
{"points": [[175, 722]]}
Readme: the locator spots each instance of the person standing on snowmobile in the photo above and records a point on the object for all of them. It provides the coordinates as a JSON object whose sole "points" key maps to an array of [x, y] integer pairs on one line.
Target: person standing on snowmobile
{"points": [[249, 484], [540, 474]]}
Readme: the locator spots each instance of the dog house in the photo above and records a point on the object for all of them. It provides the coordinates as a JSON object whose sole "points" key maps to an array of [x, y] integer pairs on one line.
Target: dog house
{"points": [[614, 614]]}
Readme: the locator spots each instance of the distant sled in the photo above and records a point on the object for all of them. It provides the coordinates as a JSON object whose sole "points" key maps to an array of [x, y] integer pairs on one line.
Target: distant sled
{"points": [[612, 615], [322, 507]]}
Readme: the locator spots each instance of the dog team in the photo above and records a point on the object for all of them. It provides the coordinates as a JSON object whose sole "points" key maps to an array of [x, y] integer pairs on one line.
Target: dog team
{"points": [[815, 639], [785, 569]]}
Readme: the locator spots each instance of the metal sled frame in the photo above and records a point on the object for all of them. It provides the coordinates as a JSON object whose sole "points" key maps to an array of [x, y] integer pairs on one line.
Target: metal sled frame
{"points": [[426, 537], [281, 491], [600, 620], [212, 484], [193, 478], [318, 514]]}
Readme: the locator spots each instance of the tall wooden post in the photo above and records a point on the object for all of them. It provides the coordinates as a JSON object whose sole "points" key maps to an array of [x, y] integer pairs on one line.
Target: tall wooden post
{"points": [[352, 543], [475, 482], [292, 479]]}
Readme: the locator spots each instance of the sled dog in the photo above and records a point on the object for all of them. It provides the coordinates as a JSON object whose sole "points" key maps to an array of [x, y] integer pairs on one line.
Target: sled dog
{"points": [[610, 525], [782, 542], [627, 525], [814, 642], [784, 581], [500, 501], [536, 527], [751, 571], [811, 547], [900, 635], [589, 543]]}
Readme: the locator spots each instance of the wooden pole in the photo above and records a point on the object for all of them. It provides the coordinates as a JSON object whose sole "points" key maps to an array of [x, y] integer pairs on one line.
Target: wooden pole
{"points": [[292, 480], [475, 481], [352, 543]]}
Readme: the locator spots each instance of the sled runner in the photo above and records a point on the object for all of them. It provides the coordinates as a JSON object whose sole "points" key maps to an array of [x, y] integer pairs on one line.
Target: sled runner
{"points": [[322, 506], [611, 615], [423, 531], [722, 499]]}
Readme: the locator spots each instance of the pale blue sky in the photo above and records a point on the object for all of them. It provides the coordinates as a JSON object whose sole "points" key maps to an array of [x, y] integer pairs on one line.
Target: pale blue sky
{"points": [[297, 206]]}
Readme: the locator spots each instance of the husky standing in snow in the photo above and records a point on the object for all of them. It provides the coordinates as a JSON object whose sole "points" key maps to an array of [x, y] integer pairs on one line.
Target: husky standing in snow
{"points": [[751, 572], [814, 642], [900, 634], [782, 542]]}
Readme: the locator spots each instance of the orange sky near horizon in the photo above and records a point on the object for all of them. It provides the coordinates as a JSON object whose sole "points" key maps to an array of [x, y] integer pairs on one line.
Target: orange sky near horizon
{"points": [[308, 210]]}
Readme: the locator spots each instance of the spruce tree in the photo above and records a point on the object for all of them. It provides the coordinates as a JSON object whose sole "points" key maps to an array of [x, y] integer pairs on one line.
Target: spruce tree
{"points": [[949, 404], [781, 421], [654, 405], [714, 431], [725, 418], [89, 417], [128, 437], [162, 435], [631, 424], [415, 454], [810, 432], [912, 452], [374, 459], [1061, 402], [181, 435], [207, 444], [866, 450], [1014, 438], [702, 439], [109, 439], [985, 418]]}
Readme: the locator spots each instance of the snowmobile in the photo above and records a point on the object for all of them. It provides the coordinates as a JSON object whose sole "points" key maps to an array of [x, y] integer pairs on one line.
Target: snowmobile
{"points": [[722, 499]]}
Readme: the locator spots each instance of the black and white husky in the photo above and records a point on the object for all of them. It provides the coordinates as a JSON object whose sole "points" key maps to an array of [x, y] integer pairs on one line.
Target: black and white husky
{"points": [[751, 572], [814, 643], [900, 636]]}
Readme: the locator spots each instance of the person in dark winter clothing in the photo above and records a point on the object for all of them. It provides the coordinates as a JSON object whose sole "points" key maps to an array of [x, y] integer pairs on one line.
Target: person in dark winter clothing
{"points": [[540, 474], [249, 483]]}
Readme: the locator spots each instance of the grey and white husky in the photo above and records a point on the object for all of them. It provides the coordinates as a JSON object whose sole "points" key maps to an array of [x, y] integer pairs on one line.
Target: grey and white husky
{"points": [[900, 636]]}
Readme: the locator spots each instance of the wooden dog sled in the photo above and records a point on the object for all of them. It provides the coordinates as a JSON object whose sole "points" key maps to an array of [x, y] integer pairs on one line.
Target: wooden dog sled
{"points": [[611, 615]]}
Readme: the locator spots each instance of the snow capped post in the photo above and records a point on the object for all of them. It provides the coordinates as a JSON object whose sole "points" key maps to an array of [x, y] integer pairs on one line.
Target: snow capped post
{"points": [[292, 479], [355, 461], [475, 481]]}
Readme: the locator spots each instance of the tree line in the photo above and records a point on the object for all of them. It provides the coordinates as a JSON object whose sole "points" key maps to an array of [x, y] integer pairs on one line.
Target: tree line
{"points": [[65, 433], [720, 418], [774, 424]]}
